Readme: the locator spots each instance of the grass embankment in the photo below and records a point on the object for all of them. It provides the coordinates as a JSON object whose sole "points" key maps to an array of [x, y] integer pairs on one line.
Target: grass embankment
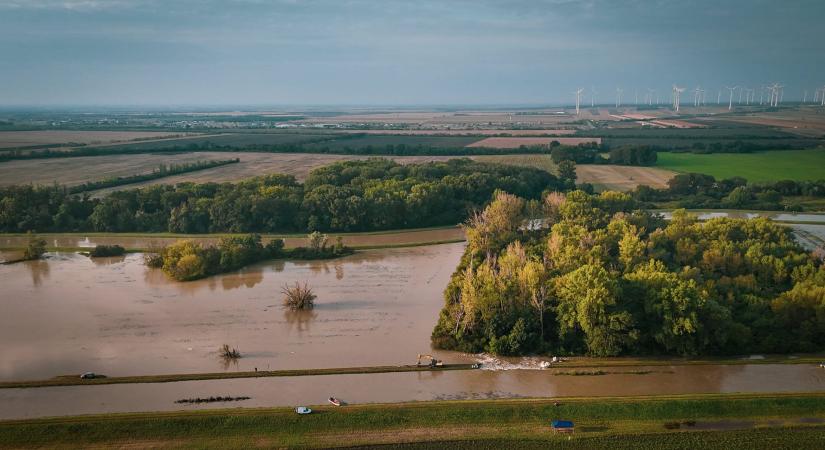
{"points": [[558, 369], [370, 240], [631, 422], [75, 380], [759, 166]]}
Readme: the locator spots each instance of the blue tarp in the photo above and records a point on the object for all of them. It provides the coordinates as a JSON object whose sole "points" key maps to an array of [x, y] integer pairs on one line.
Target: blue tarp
{"points": [[562, 424]]}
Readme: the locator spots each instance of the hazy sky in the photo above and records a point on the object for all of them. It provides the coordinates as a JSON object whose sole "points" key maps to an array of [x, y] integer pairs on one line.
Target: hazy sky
{"points": [[208, 52]]}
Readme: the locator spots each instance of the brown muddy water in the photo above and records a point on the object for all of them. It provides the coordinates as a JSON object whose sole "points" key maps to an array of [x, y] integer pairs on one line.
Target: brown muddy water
{"points": [[126, 240], [70, 314], [405, 387]]}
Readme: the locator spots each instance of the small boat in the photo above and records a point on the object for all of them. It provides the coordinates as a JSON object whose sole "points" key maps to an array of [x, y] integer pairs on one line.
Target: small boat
{"points": [[303, 410], [334, 401]]}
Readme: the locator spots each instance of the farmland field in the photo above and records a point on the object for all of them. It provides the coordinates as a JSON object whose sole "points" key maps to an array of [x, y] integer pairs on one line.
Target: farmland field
{"points": [[622, 178], [383, 140], [74, 171], [237, 140], [15, 139], [516, 142], [761, 166]]}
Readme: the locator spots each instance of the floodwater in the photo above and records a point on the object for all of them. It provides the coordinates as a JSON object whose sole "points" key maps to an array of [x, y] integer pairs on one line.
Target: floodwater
{"points": [[414, 386], [69, 314], [137, 241], [734, 214]]}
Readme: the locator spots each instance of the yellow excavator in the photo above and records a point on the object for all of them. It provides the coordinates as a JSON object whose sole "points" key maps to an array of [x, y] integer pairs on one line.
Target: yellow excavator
{"points": [[433, 362]]}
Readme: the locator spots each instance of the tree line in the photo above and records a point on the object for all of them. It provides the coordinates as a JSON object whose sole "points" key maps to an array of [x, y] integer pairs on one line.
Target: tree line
{"points": [[696, 190], [163, 170], [376, 194], [626, 155], [604, 278]]}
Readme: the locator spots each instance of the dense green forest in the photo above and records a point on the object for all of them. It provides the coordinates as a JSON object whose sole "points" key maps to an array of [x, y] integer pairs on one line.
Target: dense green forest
{"points": [[604, 278], [376, 194]]}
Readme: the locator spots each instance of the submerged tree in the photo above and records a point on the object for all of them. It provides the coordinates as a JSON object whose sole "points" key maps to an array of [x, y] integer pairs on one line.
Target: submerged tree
{"points": [[35, 248], [228, 352]]}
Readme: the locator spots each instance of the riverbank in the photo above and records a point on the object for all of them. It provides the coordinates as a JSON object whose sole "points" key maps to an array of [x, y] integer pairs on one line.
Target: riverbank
{"points": [[138, 242], [692, 421]]}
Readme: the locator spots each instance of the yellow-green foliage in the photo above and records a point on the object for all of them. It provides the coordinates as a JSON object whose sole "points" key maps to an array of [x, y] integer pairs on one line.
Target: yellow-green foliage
{"points": [[605, 279]]}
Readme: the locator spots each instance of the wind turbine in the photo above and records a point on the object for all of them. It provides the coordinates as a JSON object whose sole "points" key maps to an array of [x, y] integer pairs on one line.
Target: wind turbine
{"points": [[776, 94], [697, 95], [730, 100], [619, 92], [748, 92], [718, 96], [578, 99], [650, 93], [677, 92], [805, 97], [593, 96], [636, 99], [740, 94]]}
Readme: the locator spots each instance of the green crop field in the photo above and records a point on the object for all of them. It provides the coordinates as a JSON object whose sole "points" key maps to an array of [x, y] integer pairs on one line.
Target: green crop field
{"points": [[761, 166]]}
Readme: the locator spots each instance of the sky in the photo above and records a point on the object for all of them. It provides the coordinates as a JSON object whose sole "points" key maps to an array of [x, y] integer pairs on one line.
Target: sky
{"points": [[393, 52]]}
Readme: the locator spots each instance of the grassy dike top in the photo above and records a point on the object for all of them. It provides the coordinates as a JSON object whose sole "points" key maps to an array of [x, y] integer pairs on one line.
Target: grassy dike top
{"points": [[730, 421]]}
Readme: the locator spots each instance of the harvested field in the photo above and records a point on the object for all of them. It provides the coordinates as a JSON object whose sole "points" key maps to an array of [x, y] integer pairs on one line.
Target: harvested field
{"points": [[467, 132], [14, 139], [74, 171], [677, 124], [533, 118], [544, 162], [805, 123], [622, 178], [516, 142]]}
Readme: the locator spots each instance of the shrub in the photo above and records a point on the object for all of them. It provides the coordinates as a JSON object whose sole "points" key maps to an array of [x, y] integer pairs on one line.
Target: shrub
{"points": [[298, 297], [228, 352], [107, 250], [35, 248]]}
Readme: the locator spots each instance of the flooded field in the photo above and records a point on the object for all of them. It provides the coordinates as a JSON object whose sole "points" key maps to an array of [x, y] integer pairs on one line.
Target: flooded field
{"points": [[405, 387], [734, 214], [117, 317], [126, 240], [69, 314]]}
